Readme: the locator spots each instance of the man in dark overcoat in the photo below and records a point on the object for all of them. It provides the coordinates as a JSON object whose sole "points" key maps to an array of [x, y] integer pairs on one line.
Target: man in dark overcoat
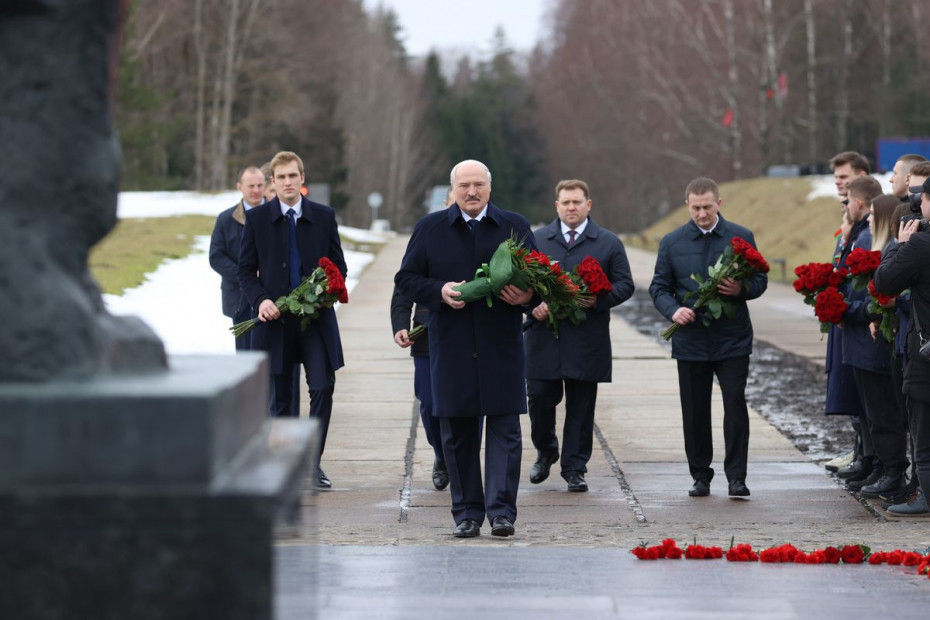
{"points": [[224, 248], [282, 243], [476, 351], [580, 357], [720, 348]]}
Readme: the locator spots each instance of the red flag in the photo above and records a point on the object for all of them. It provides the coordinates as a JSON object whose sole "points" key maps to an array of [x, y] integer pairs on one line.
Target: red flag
{"points": [[783, 84], [769, 93], [727, 118]]}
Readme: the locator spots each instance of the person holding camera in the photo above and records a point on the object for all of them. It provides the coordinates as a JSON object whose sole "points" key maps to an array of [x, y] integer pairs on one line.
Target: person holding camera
{"points": [[905, 267]]}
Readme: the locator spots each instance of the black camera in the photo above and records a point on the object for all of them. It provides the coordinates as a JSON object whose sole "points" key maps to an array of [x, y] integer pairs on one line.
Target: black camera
{"points": [[924, 225], [913, 197]]}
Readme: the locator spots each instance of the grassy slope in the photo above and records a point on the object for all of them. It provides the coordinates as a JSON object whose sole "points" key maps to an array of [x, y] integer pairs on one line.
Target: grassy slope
{"points": [[786, 226]]}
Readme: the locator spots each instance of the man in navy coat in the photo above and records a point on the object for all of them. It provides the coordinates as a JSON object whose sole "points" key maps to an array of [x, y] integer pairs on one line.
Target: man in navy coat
{"points": [[581, 357], [282, 243], [720, 348], [224, 248], [476, 351]]}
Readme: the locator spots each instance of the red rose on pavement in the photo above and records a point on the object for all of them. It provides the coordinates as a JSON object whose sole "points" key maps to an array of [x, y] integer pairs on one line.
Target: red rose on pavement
{"points": [[832, 555], [852, 554]]}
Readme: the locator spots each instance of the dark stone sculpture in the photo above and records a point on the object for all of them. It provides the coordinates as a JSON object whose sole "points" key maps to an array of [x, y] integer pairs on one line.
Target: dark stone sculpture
{"points": [[58, 194], [127, 489]]}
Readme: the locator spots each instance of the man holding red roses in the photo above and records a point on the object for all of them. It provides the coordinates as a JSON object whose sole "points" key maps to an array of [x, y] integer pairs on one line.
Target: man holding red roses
{"points": [[580, 357], [282, 243], [476, 349], [703, 349]]}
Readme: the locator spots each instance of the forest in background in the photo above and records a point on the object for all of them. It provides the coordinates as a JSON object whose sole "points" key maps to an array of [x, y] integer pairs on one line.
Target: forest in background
{"points": [[634, 97]]}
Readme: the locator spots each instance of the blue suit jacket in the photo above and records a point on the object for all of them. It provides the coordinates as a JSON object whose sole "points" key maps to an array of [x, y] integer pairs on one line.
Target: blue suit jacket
{"points": [[224, 258], [476, 353], [582, 351], [263, 272]]}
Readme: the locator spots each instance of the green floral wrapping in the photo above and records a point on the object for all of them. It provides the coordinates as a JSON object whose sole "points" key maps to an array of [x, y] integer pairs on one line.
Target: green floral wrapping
{"points": [[491, 277]]}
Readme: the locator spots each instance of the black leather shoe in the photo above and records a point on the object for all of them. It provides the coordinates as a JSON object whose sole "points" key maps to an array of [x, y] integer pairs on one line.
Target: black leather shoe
{"points": [[440, 475], [322, 482], [501, 526], [856, 484], [701, 488], [540, 469], [576, 483], [892, 482], [738, 488], [468, 528], [855, 469]]}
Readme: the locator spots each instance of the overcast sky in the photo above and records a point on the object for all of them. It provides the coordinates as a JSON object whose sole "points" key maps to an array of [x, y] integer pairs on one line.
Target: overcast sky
{"points": [[463, 25]]}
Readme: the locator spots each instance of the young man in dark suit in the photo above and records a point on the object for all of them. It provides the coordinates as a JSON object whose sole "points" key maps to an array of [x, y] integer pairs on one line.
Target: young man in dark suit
{"points": [[224, 248], [282, 242], [581, 357], [476, 351]]}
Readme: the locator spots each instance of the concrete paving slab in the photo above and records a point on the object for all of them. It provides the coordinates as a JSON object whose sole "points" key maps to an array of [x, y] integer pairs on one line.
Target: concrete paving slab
{"points": [[515, 583], [384, 523]]}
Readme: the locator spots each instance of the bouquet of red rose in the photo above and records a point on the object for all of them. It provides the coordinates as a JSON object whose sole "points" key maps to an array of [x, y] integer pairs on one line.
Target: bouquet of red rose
{"points": [[815, 277], [830, 307], [591, 280], [321, 289], [882, 305], [511, 263], [862, 265], [739, 261]]}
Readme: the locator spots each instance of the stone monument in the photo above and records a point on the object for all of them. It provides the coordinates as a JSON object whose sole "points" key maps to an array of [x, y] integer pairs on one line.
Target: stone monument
{"points": [[131, 485]]}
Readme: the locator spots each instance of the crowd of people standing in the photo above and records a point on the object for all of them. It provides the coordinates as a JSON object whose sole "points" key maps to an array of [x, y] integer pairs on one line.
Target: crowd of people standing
{"points": [[877, 383], [479, 366]]}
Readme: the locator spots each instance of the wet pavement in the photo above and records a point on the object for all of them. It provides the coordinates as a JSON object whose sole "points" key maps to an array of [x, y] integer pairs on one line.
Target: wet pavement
{"points": [[379, 544]]}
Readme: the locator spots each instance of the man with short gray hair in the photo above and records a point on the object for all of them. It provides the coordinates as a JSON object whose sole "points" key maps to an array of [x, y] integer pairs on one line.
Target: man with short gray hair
{"points": [[476, 350]]}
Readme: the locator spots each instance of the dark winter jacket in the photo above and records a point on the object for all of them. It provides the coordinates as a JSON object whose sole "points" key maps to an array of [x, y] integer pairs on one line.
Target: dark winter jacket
{"points": [[860, 350], [686, 251], [582, 351], [906, 266]]}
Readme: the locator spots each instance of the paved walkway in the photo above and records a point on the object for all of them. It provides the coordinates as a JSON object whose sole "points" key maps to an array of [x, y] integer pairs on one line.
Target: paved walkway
{"points": [[379, 461]]}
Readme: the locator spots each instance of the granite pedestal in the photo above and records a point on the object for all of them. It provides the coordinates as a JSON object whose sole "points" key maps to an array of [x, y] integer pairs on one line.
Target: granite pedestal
{"points": [[146, 496]]}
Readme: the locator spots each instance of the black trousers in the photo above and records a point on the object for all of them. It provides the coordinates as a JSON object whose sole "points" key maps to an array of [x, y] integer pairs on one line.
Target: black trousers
{"points": [[578, 431], [897, 383], [321, 381], [695, 383], [886, 420], [920, 423], [244, 342], [461, 444]]}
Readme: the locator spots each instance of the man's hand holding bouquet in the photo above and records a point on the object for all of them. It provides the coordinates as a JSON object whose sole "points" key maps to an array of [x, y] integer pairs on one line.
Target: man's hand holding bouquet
{"points": [[739, 262], [321, 289]]}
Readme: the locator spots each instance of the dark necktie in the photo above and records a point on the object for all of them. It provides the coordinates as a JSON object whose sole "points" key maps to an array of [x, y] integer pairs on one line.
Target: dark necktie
{"points": [[571, 237], [472, 225], [293, 257]]}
